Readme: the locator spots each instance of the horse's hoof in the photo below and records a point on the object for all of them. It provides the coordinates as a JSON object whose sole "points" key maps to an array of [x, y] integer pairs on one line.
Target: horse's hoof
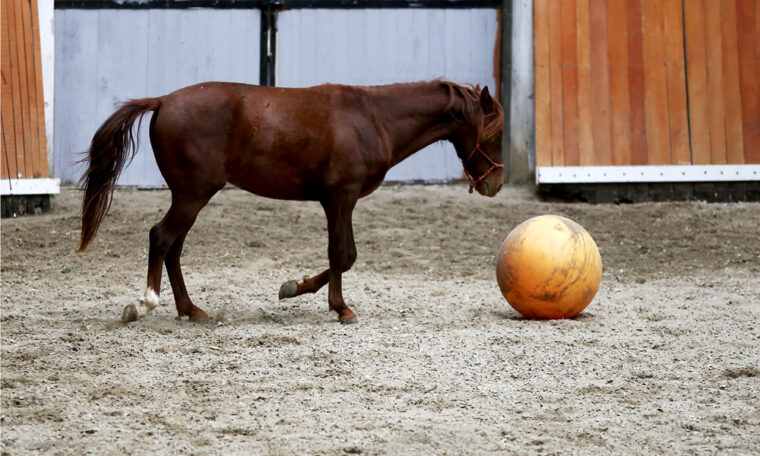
{"points": [[196, 315], [288, 289], [129, 313], [349, 321]]}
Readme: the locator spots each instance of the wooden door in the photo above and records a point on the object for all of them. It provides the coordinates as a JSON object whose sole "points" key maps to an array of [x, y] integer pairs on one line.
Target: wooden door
{"points": [[647, 82], [24, 150]]}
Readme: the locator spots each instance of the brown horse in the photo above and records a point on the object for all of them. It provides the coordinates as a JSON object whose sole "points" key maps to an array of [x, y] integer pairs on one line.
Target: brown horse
{"points": [[331, 143]]}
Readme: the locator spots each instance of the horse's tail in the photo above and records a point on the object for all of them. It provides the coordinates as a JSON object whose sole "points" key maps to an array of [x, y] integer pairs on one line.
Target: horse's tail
{"points": [[113, 147]]}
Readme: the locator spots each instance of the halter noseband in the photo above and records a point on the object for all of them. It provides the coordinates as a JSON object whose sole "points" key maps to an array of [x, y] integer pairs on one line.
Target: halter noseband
{"points": [[494, 165]]}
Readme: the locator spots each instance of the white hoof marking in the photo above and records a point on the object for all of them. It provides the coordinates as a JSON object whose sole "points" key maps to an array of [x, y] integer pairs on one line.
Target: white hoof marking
{"points": [[148, 303]]}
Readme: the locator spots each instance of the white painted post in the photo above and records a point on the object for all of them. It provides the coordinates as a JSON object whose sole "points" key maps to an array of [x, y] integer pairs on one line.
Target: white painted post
{"points": [[45, 9], [522, 157]]}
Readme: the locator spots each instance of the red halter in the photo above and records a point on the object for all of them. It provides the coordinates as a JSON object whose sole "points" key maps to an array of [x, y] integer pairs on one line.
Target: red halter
{"points": [[494, 165]]}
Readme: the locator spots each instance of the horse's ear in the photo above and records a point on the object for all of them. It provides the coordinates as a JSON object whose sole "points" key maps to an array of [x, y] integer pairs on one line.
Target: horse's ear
{"points": [[486, 102]]}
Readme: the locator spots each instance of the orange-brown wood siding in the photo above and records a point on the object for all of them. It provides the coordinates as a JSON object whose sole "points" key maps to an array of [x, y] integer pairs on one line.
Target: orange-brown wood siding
{"points": [[635, 82], [23, 119], [542, 62]]}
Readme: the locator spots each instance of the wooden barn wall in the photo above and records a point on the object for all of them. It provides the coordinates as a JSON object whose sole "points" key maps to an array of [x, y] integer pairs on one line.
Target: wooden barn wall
{"points": [[24, 149], [383, 46], [637, 82], [104, 57]]}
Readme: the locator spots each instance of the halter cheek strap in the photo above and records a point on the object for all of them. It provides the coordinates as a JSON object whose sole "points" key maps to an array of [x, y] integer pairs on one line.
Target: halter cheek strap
{"points": [[494, 165]]}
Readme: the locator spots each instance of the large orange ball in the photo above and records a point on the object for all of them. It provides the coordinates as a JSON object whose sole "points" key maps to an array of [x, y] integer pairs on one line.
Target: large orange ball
{"points": [[549, 267]]}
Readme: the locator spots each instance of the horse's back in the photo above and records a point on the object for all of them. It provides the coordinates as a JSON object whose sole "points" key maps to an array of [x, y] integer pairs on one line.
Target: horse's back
{"points": [[273, 141], [299, 109]]}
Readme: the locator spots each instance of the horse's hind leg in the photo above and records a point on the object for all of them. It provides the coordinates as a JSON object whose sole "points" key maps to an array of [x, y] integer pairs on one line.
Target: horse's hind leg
{"points": [[163, 238], [185, 306]]}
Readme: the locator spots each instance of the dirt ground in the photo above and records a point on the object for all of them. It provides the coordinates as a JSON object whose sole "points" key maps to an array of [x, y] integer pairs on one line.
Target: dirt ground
{"points": [[665, 360]]}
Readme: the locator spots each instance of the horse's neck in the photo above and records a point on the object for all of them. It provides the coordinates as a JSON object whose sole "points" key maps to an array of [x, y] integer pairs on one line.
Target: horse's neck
{"points": [[414, 116]]}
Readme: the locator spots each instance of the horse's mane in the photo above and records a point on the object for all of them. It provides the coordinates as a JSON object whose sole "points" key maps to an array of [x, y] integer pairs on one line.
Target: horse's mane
{"points": [[488, 125]]}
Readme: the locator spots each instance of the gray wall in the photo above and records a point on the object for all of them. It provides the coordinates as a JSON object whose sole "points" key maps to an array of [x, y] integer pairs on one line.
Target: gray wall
{"points": [[107, 56], [385, 46], [103, 57]]}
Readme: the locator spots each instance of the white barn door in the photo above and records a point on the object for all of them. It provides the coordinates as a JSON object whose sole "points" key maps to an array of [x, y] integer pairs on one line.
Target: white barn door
{"points": [[104, 57], [384, 46]]}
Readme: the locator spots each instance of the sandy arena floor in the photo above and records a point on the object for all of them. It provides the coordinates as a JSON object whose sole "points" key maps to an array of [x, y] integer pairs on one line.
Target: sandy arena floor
{"points": [[666, 359]]}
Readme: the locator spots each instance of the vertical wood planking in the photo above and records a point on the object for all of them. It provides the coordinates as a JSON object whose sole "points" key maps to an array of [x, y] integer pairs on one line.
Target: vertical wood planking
{"points": [[16, 93], [655, 82], [600, 83], [678, 115], [731, 87], [32, 156], [636, 88], [647, 81], [696, 59], [585, 132], [16, 87], [8, 120], [555, 69], [569, 81], [42, 171], [749, 76], [17, 153], [541, 55], [620, 109], [29, 88], [715, 101], [21, 24]]}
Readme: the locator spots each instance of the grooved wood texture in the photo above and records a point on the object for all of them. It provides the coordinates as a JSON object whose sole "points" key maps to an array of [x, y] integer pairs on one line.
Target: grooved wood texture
{"points": [[23, 118], [636, 82]]}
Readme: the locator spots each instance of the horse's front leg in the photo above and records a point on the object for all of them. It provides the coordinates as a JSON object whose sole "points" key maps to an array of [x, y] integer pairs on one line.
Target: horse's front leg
{"points": [[341, 249], [293, 288], [342, 254]]}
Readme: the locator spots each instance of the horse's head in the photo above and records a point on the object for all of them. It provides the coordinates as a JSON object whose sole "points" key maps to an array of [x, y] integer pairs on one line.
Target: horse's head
{"points": [[478, 142]]}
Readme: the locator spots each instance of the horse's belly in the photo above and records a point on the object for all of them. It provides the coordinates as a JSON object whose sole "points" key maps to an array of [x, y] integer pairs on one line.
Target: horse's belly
{"points": [[273, 184]]}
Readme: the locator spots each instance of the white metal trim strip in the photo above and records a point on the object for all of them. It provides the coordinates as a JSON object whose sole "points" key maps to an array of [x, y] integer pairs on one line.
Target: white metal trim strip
{"points": [[30, 186], [664, 173]]}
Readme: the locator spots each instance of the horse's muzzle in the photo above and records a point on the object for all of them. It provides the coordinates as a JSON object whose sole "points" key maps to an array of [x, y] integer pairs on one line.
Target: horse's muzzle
{"points": [[489, 188]]}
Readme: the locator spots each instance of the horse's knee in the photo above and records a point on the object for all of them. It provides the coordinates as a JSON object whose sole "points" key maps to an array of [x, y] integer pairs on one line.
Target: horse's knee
{"points": [[349, 259], [159, 240], [343, 257]]}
